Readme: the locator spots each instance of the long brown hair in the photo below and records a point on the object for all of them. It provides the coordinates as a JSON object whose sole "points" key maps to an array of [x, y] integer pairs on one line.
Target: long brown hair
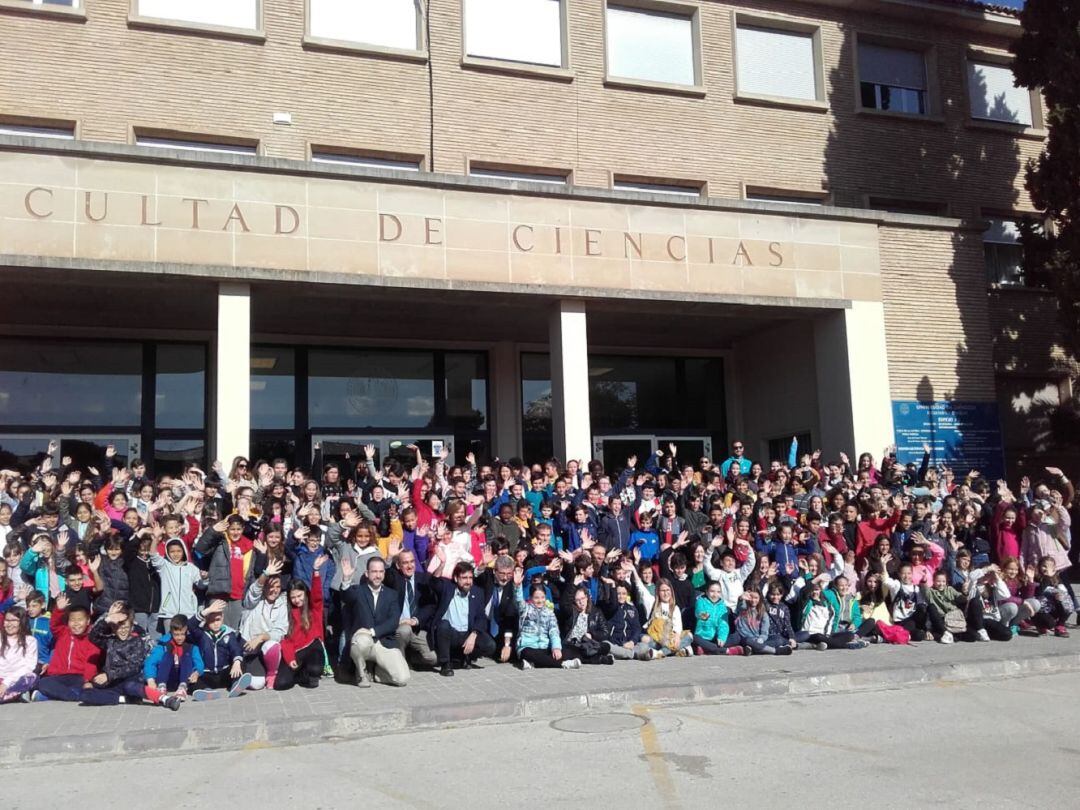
{"points": [[24, 630], [305, 610]]}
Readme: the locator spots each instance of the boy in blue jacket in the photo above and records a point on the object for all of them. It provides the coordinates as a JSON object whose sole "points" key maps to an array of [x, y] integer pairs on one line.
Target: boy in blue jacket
{"points": [[222, 654], [39, 627], [173, 666], [646, 539]]}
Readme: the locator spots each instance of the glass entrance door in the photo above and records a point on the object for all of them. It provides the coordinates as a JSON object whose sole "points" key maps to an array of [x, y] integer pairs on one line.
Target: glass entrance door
{"points": [[335, 446], [24, 451], [613, 451]]}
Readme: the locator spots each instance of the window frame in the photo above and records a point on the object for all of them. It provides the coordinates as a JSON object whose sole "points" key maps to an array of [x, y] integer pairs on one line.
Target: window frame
{"points": [[319, 152], [789, 24], [563, 72], [677, 8], [200, 143], [519, 173], [989, 215], [257, 34], [932, 98], [1036, 129], [76, 13], [418, 54], [784, 196], [667, 187], [30, 127]]}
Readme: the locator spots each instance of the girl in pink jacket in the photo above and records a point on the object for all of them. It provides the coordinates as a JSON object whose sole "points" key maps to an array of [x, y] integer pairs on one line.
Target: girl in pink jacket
{"points": [[18, 656]]}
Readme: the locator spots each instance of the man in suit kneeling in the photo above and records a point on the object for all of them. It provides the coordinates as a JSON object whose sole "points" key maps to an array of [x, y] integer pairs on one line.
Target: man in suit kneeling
{"points": [[375, 612], [460, 623]]}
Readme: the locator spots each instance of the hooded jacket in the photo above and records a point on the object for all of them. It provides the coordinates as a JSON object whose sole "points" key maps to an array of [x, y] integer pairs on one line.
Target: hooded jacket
{"points": [[123, 658], [72, 654], [167, 657], [711, 620], [218, 649], [178, 582], [625, 625]]}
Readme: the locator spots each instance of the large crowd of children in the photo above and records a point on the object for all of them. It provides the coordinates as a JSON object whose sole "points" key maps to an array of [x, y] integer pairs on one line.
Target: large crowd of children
{"points": [[116, 587]]}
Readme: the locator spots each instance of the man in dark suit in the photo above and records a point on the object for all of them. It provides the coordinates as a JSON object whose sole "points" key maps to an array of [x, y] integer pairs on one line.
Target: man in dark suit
{"points": [[417, 602], [500, 605], [459, 624], [374, 612]]}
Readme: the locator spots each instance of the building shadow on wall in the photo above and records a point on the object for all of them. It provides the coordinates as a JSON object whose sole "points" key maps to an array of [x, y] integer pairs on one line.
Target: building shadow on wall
{"points": [[973, 173]]}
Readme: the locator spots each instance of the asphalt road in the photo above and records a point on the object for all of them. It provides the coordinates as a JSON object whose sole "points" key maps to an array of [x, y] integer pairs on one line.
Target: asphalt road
{"points": [[1005, 743]]}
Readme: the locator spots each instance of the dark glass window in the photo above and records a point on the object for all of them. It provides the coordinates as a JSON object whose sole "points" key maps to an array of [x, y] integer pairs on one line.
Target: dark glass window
{"points": [[273, 388], [170, 455], [536, 393], [180, 398], [76, 383], [628, 393], [466, 390], [370, 388]]}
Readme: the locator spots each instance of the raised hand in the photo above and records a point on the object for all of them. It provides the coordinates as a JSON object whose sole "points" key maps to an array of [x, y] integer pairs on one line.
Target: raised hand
{"points": [[95, 563], [347, 569], [216, 606], [273, 568], [320, 561], [62, 602], [631, 462], [519, 576]]}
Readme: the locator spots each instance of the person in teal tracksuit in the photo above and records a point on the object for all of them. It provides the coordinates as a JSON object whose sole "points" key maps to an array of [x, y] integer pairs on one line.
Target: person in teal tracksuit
{"points": [[711, 626]]}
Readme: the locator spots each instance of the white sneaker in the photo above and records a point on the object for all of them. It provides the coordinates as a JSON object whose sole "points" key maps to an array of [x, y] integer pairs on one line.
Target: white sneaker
{"points": [[573, 663], [982, 635], [946, 638], [526, 665]]}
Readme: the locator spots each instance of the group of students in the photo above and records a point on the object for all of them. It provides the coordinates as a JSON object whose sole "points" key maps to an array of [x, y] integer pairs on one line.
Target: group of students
{"points": [[118, 588]]}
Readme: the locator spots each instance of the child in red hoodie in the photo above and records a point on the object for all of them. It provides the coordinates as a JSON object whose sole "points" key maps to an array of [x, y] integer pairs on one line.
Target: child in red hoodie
{"points": [[75, 659], [302, 651]]}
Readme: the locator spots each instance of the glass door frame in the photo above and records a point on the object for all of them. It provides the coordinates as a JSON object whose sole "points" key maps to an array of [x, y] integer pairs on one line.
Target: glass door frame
{"points": [[653, 439], [381, 441], [134, 440]]}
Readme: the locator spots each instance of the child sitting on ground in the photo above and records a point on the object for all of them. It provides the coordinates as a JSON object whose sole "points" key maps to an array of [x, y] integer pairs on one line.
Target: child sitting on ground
{"points": [[75, 658], [173, 666], [222, 654], [120, 678]]}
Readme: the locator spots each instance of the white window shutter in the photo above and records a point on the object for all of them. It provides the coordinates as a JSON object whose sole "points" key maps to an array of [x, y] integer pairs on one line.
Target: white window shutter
{"points": [[776, 63]]}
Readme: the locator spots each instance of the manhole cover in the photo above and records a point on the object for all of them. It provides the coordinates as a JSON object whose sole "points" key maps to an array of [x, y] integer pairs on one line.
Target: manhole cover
{"points": [[599, 723]]}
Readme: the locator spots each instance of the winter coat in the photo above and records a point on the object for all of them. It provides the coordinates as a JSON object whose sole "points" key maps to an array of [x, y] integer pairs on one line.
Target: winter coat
{"points": [[711, 620], [219, 650], [123, 659], [16, 662], [537, 627], [624, 625], [178, 583], [163, 662]]}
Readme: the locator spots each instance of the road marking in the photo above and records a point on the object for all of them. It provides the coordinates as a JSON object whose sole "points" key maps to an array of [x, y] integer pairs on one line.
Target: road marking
{"points": [[658, 767], [800, 738]]}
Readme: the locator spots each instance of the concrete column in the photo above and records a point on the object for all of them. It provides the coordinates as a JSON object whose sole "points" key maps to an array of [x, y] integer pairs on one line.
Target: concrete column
{"points": [[504, 377], [232, 373], [853, 380], [568, 337]]}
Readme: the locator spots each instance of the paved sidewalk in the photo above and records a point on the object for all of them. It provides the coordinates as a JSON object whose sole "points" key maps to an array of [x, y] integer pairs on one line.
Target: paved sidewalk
{"points": [[47, 731]]}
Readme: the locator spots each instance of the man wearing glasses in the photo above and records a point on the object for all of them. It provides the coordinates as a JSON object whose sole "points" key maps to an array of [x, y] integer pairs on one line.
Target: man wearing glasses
{"points": [[738, 458]]}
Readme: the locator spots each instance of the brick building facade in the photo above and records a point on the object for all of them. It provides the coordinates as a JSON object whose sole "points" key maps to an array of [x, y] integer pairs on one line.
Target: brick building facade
{"points": [[719, 188]]}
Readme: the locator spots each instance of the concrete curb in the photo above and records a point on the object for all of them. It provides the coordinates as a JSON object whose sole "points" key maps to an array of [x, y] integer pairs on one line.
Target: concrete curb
{"points": [[305, 730]]}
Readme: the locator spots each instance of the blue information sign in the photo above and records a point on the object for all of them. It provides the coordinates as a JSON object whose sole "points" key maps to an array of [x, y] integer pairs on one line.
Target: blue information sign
{"points": [[964, 435]]}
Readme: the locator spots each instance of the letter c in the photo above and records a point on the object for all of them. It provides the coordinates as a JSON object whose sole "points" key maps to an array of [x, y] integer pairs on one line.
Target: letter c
{"points": [[29, 203], [517, 239]]}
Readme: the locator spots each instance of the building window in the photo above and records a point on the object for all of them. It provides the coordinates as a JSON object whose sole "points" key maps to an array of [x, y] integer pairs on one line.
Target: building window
{"points": [[777, 62], [46, 4], [529, 31], [381, 23], [892, 79], [552, 177], [687, 189], [651, 46], [788, 197], [195, 144], [994, 97], [898, 205], [180, 387], [61, 130], [1003, 252], [273, 388], [218, 13], [366, 161]]}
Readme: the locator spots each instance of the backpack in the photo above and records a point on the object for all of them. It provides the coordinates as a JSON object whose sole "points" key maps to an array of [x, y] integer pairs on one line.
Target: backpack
{"points": [[894, 634]]}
